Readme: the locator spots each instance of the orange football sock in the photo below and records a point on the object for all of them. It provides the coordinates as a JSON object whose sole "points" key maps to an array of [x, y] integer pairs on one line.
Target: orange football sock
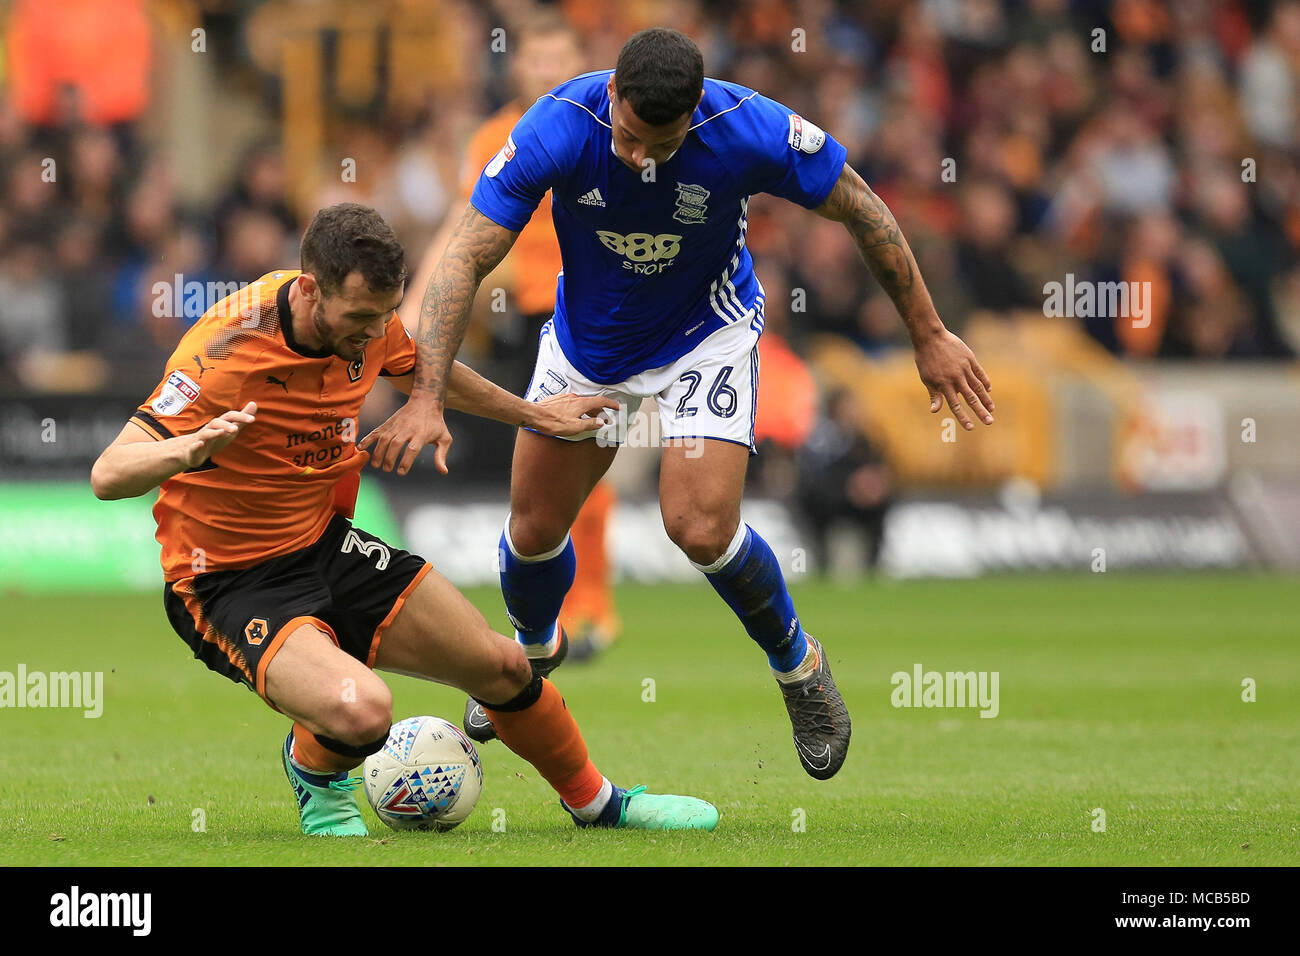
{"points": [[589, 599], [315, 756], [547, 736]]}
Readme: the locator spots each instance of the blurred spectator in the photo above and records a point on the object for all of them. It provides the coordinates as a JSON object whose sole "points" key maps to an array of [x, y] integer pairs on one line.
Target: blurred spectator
{"points": [[1214, 321], [85, 283], [843, 480], [79, 60], [986, 264], [1268, 79], [260, 187], [787, 398], [31, 319], [1010, 150]]}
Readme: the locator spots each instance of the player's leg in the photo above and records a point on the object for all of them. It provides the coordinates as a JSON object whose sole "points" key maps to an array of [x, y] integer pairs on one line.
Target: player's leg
{"points": [[438, 635], [550, 481], [341, 712], [588, 613], [261, 626], [707, 414], [333, 696], [700, 486]]}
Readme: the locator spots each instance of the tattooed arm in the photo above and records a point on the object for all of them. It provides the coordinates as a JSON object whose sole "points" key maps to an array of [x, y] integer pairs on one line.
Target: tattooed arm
{"points": [[947, 367], [476, 247]]}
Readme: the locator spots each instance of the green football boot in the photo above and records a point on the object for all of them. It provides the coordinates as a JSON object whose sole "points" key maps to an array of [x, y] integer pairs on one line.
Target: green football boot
{"points": [[326, 803], [637, 810]]}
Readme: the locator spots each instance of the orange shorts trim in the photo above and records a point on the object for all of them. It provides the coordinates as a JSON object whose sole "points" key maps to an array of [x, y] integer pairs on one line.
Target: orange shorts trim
{"points": [[280, 636], [397, 606], [185, 588]]}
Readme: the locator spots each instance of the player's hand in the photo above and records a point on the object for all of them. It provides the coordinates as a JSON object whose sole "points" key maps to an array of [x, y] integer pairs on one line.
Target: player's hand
{"points": [[217, 434], [399, 441], [950, 371], [567, 415]]}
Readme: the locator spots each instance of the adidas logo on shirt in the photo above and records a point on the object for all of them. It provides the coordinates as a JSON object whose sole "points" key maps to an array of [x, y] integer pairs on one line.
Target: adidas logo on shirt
{"points": [[592, 198]]}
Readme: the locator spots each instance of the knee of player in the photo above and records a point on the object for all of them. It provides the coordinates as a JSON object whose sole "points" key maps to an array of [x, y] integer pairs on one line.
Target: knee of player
{"points": [[535, 532], [703, 537], [503, 672], [514, 669], [368, 716]]}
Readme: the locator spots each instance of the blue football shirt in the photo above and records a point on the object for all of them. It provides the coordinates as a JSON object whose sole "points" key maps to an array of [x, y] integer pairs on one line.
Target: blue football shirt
{"points": [[652, 268]]}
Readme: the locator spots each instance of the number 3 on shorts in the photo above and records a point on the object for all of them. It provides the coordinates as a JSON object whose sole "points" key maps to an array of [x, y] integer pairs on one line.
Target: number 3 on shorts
{"points": [[354, 542]]}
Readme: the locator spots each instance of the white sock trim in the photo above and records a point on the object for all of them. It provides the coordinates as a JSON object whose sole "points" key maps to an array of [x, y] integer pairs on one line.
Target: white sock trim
{"points": [[533, 558], [303, 767], [593, 810], [545, 649], [803, 670], [733, 549]]}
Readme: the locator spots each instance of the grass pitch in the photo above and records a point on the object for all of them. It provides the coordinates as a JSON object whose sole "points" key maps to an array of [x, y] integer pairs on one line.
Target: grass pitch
{"points": [[1119, 693]]}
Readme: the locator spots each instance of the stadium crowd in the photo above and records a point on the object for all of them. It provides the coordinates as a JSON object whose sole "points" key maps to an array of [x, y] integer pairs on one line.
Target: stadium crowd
{"points": [[1017, 141]]}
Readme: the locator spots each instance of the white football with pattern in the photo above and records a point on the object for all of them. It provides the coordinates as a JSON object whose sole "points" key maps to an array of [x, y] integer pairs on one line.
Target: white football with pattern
{"points": [[427, 776]]}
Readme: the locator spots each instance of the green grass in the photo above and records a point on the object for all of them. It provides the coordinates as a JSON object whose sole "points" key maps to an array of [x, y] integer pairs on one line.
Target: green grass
{"points": [[1118, 692]]}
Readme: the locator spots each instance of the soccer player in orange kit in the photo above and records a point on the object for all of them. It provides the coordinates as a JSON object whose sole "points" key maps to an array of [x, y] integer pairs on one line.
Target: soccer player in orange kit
{"points": [[251, 437]]}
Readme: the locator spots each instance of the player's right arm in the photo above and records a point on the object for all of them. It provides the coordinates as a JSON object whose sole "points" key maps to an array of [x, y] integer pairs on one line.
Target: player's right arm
{"points": [[533, 159], [137, 462], [476, 247]]}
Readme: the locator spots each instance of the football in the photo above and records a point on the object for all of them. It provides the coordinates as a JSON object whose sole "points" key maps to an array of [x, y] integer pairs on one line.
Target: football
{"points": [[427, 776]]}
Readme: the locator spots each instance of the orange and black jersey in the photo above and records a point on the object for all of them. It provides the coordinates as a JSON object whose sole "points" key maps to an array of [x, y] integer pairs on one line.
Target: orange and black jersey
{"points": [[274, 489]]}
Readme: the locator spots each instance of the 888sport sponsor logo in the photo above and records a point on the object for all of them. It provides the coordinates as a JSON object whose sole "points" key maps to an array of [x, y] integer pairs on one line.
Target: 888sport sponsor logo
{"points": [[643, 253]]}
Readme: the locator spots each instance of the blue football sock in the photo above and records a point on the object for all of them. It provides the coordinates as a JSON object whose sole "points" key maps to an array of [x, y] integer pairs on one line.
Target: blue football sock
{"points": [[749, 579], [534, 587]]}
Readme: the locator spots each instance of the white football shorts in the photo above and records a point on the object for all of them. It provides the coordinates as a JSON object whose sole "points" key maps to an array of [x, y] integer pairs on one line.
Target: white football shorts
{"points": [[710, 392]]}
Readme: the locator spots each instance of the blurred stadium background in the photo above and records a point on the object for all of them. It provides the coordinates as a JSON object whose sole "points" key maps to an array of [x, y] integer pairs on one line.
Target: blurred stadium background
{"points": [[152, 152]]}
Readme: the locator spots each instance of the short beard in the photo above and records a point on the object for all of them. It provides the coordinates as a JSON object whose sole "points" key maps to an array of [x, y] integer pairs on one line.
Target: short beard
{"points": [[335, 346]]}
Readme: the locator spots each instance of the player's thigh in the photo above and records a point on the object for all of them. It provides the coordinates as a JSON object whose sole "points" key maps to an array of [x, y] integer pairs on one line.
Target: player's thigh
{"points": [[707, 409], [439, 635], [701, 482], [311, 680], [550, 479]]}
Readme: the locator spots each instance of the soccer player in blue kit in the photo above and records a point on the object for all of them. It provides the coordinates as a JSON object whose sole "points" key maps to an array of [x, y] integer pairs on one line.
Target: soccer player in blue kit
{"points": [[651, 167]]}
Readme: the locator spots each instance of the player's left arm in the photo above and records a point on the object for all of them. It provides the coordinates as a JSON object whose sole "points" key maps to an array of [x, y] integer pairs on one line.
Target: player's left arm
{"points": [[564, 415], [947, 366]]}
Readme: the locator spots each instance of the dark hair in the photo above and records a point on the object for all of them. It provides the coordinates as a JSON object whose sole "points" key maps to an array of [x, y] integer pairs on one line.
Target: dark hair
{"points": [[660, 73], [350, 237]]}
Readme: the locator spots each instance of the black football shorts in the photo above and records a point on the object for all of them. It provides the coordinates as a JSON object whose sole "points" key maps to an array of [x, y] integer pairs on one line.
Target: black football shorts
{"points": [[349, 583]]}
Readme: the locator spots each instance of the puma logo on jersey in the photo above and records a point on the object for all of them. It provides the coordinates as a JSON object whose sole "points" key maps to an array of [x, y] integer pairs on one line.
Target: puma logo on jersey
{"points": [[202, 368], [282, 382], [592, 198]]}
